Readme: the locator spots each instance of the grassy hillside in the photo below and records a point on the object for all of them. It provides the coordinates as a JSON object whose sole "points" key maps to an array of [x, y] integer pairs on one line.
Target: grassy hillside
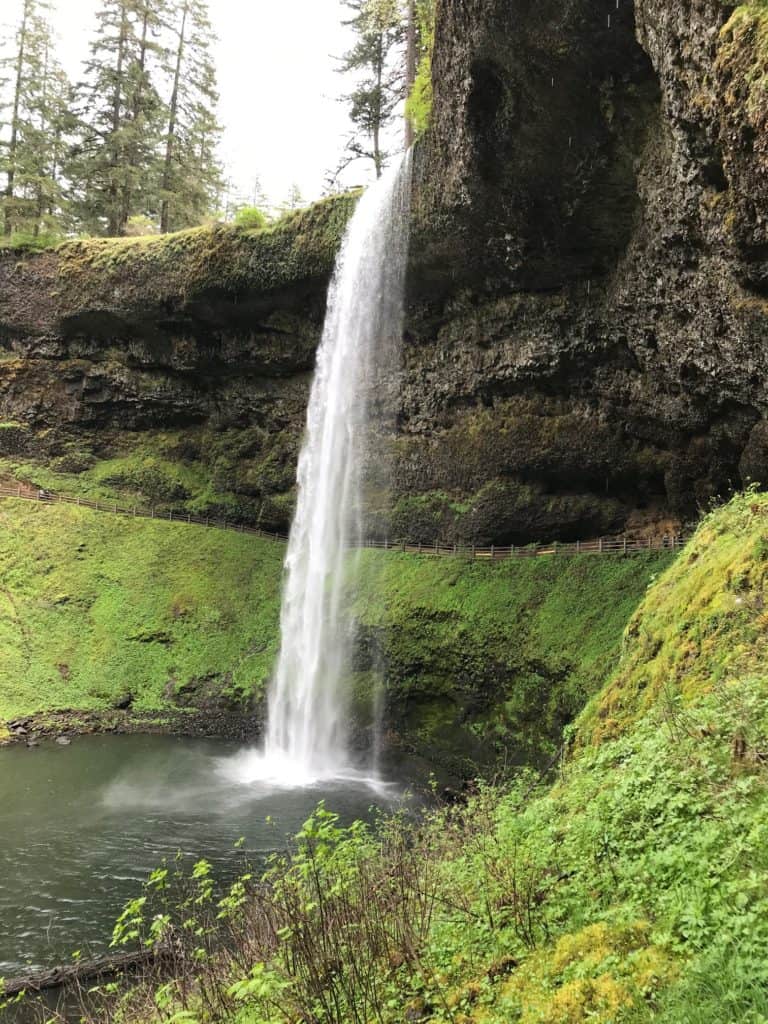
{"points": [[633, 889], [488, 662], [94, 607], [482, 661]]}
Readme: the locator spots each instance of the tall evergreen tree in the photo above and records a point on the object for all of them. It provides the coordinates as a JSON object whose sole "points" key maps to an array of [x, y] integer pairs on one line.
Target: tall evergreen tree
{"points": [[35, 107], [191, 182], [120, 115], [376, 58]]}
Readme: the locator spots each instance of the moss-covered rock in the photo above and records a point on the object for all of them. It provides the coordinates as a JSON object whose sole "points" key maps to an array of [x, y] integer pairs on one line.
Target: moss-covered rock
{"points": [[702, 626], [485, 663]]}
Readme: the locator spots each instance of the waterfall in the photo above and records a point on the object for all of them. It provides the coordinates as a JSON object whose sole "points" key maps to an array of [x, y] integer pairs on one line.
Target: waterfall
{"points": [[306, 737]]}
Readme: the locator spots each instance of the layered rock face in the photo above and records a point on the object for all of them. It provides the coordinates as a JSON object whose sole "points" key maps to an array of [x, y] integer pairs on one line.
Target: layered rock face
{"points": [[590, 302], [588, 294], [199, 346]]}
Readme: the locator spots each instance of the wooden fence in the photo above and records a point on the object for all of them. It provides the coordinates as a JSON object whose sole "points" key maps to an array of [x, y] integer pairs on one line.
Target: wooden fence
{"points": [[600, 546]]}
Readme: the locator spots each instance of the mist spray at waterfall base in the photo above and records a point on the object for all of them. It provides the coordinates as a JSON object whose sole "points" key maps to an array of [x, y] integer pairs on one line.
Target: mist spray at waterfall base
{"points": [[307, 737]]}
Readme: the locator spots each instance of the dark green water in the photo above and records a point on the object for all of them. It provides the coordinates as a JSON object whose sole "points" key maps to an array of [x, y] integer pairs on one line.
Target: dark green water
{"points": [[82, 826]]}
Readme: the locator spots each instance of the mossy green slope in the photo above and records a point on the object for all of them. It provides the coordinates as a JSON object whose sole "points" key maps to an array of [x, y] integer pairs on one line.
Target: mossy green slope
{"points": [[94, 607], [482, 661], [704, 624], [490, 660], [633, 889]]}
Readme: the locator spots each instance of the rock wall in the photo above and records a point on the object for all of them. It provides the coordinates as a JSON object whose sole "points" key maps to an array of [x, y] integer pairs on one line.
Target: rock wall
{"points": [[587, 346], [588, 295], [206, 338]]}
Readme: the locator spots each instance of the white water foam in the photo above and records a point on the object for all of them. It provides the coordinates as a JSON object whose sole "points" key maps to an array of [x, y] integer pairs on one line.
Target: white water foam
{"points": [[307, 735]]}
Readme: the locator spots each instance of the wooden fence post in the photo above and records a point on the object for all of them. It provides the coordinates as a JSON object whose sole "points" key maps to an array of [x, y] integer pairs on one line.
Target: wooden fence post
{"points": [[493, 550], [600, 546], [625, 543], [578, 547]]}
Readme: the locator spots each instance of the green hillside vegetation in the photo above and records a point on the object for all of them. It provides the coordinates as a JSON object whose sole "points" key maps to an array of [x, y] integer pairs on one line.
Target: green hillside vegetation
{"points": [[484, 661], [94, 607], [488, 662], [187, 471], [632, 888]]}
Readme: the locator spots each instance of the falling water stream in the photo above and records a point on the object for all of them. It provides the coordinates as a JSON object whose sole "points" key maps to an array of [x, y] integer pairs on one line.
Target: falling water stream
{"points": [[306, 739], [80, 826]]}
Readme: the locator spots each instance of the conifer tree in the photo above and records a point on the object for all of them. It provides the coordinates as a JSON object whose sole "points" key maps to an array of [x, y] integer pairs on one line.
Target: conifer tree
{"points": [[32, 123], [113, 165], [376, 58], [191, 180], [294, 200]]}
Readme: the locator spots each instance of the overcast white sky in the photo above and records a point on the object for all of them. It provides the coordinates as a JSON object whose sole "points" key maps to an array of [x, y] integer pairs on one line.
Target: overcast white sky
{"points": [[279, 90]]}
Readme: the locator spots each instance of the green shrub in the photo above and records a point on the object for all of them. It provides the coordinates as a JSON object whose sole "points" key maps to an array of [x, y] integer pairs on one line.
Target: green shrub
{"points": [[251, 217]]}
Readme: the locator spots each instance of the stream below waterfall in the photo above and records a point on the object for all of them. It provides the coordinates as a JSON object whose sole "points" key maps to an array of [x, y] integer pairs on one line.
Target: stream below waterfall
{"points": [[82, 826]]}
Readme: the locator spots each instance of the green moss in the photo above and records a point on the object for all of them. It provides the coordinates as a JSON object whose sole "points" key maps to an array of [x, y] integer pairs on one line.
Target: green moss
{"points": [[702, 625], [743, 51], [243, 475], [418, 105], [120, 271], [95, 607], [628, 889], [481, 658], [492, 660]]}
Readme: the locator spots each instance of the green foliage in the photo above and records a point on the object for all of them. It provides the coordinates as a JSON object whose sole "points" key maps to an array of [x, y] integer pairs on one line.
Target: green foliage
{"points": [[489, 660], [630, 888], [742, 57], [94, 607], [118, 118], [191, 180], [139, 225], [301, 245], [418, 107], [375, 61], [250, 217], [702, 625], [32, 122]]}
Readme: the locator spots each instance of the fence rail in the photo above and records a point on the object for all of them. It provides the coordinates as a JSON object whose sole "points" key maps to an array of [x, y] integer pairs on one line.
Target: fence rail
{"points": [[599, 546]]}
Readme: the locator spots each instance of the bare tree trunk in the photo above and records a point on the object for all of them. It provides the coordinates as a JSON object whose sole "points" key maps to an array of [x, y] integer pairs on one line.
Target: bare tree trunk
{"points": [[410, 68], [165, 205], [13, 143], [116, 223], [377, 155]]}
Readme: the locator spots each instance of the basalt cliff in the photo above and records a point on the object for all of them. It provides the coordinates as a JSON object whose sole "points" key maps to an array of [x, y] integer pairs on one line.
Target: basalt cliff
{"points": [[587, 312]]}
